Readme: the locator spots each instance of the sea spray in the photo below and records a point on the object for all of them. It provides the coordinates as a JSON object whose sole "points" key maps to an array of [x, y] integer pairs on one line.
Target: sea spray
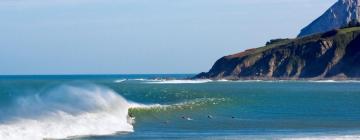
{"points": [[67, 111]]}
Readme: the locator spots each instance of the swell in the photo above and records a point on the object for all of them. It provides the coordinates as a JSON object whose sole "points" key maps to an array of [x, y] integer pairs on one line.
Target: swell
{"points": [[79, 110], [189, 109], [200, 102]]}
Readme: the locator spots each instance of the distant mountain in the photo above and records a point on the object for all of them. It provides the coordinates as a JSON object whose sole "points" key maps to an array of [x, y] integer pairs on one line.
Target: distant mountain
{"points": [[331, 55], [341, 14]]}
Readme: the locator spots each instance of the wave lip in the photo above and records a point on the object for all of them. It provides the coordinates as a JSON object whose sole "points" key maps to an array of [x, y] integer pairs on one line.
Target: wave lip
{"points": [[68, 111]]}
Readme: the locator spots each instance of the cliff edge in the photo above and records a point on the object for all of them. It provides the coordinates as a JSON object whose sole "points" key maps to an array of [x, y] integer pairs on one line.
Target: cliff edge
{"points": [[331, 55]]}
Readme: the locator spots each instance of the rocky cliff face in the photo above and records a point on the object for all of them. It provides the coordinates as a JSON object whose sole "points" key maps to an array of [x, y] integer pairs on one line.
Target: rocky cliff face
{"points": [[339, 15], [334, 54]]}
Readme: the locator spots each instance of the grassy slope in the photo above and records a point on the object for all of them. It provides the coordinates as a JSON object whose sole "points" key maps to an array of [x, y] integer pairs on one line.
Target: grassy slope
{"points": [[302, 40], [256, 59]]}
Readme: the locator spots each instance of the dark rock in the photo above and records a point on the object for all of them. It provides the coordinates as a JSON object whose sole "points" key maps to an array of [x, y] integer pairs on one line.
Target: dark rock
{"points": [[331, 55]]}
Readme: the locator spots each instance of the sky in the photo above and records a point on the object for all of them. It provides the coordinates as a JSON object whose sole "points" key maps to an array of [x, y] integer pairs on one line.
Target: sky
{"points": [[140, 36]]}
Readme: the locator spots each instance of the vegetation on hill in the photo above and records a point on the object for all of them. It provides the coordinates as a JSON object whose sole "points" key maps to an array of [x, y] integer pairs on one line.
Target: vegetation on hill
{"points": [[331, 55]]}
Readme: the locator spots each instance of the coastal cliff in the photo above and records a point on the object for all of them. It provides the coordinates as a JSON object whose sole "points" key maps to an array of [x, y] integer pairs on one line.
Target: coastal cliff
{"points": [[331, 55]]}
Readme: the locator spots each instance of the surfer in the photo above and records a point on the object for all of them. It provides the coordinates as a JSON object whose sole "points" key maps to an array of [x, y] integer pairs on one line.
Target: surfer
{"points": [[210, 117], [166, 122], [131, 118], [131, 115], [186, 118]]}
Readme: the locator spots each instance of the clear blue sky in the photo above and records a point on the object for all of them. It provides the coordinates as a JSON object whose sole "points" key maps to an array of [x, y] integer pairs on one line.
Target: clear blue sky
{"points": [[140, 36]]}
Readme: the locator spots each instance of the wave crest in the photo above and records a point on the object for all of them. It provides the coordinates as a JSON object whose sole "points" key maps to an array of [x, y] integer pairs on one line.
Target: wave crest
{"points": [[67, 111]]}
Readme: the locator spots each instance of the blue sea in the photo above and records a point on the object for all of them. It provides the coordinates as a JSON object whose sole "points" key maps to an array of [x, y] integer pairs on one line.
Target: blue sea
{"points": [[117, 107]]}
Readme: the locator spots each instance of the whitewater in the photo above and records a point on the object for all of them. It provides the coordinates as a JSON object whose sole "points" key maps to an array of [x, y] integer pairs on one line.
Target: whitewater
{"points": [[68, 111]]}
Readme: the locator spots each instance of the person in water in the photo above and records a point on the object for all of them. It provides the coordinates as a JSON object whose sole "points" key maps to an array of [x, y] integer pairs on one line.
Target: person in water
{"points": [[131, 115], [186, 118], [166, 122]]}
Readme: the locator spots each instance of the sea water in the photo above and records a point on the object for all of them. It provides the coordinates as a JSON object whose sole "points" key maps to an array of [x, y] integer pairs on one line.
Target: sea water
{"points": [[112, 107]]}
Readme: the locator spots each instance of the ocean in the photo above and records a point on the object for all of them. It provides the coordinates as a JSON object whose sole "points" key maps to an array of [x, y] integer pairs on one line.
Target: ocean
{"points": [[117, 107]]}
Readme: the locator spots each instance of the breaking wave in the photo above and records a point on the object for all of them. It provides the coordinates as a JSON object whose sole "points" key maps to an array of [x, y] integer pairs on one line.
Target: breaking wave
{"points": [[67, 111], [325, 137], [336, 81]]}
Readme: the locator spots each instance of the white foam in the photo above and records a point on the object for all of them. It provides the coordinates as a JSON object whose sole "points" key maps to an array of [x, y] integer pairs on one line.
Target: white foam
{"points": [[249, 81], [346, 137], [120, 81], [180, 81], [223, 80], [324, 81], [68, 111], [139, 79], [334, 81]]}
